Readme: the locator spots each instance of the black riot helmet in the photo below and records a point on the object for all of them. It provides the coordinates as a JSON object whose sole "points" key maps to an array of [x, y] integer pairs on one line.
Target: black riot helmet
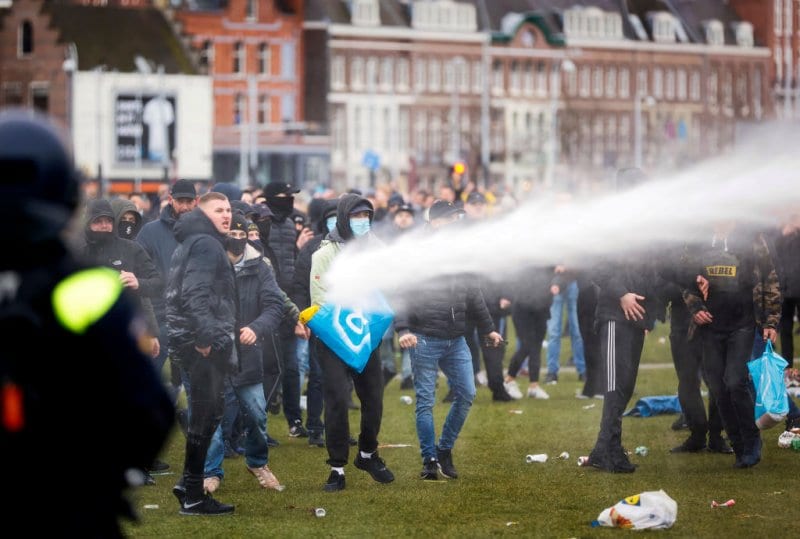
{"points": [[39, 186]]}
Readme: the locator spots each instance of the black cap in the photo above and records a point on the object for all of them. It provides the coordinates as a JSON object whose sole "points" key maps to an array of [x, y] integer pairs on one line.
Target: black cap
{"points": [[239, 222], [364, 205], [395, 200], [442, 208], [406, 207], [476, 198], [183, 189], [279, 188]]}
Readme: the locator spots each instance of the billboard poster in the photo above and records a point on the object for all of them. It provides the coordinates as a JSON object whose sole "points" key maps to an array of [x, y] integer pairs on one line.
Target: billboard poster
{"points": [[144, 128]]}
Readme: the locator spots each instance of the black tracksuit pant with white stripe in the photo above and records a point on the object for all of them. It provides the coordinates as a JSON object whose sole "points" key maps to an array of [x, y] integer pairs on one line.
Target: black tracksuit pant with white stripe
{"points": [[620, 349]]}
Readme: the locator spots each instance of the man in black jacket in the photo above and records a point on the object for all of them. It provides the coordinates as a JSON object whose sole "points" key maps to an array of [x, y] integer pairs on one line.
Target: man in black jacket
{"points": [[201, 318], [626, 309], [432, 326]]}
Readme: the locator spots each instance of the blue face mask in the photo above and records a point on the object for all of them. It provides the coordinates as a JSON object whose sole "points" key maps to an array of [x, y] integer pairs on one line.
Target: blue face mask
{"points": [[359, 226], [331, 223]]}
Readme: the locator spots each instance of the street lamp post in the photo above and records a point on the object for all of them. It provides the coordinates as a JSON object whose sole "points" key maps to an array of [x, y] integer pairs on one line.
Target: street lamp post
{"points": [[568, 66], [637, 126]]}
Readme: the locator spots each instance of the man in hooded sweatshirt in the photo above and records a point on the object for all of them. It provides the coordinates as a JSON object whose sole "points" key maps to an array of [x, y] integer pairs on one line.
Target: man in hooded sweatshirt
{"points": [[353, 222], [201, 320]]}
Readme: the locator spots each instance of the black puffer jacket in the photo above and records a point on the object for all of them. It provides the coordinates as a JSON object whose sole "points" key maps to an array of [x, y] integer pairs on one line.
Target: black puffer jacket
{"points": [[788, 260], [615, 279], [283, 241], [201, 291], [260, 309], [439, 309]]}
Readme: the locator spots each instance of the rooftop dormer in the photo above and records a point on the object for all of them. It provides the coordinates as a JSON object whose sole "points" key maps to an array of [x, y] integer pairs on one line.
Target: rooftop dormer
{"points": [[663, 26], [715, 32], [744, 34], [443, 15], [365, 13], [591, 23]]}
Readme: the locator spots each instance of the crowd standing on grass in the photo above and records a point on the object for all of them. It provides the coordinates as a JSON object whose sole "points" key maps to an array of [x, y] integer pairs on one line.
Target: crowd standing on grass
{"points": [[219, 276]]}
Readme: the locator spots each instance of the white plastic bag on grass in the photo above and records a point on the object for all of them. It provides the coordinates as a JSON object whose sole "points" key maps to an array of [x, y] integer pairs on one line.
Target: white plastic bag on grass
{"points": [[651, 509]]}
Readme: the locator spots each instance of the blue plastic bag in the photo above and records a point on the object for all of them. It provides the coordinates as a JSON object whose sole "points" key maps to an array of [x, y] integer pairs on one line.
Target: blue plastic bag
{"points": [[352, 334], [650, 406], [772, 403]]}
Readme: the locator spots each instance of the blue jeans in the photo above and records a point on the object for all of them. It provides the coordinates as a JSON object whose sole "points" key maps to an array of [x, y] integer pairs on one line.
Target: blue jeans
{"points": [[302, 360], [453, 358], [256, 451], [568, 297]]}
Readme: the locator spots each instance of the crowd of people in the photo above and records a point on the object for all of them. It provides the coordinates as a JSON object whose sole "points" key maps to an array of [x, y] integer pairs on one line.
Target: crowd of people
{"points": [[219, 277]]}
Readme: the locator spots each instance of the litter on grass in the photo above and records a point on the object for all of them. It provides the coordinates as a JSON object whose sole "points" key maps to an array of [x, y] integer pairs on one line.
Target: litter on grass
{"points": [[729, 503], [588, 406], [650, 509], [518, 412], [393, 446], [151, 506]]}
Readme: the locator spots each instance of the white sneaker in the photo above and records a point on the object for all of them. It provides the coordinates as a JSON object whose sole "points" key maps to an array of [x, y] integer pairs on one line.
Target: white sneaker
{"points": [[513, 389], [537, 393], [481, 379], [785, 439]]}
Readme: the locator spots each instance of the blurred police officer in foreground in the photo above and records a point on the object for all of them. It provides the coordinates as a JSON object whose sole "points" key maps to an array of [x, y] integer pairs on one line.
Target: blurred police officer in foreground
{"points": [[72, 356]]}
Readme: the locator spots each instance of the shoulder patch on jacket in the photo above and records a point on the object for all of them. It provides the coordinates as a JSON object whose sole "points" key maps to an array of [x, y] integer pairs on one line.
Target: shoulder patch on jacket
{"points": [[84, 297]]}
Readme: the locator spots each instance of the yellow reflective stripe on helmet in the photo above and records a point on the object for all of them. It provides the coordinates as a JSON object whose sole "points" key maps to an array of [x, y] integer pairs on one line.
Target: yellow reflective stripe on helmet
{"points": [[84, 297]]}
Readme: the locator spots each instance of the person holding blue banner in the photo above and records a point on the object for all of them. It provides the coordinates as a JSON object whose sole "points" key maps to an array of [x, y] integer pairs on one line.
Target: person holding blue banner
{"points": [[353, 222], [433, 327]]}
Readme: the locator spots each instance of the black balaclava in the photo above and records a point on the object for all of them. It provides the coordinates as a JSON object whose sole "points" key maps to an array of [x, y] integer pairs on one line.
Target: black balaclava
{"points": [[99, 208]]}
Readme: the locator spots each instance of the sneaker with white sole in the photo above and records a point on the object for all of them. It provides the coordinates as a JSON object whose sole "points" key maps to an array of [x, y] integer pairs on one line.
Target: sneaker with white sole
{"points": [[481, 379], [537, 393], [513, 389], [266, 478]]}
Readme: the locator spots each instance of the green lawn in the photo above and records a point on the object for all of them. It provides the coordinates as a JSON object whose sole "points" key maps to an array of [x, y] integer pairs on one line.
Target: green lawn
{"points": [[498, 493]]}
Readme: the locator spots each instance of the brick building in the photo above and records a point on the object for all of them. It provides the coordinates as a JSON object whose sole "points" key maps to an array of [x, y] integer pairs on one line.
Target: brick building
{"points": [[776, 24], [529, 91], [253, 51]]}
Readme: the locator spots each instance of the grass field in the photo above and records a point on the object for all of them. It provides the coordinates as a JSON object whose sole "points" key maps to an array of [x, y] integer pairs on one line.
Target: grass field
{"points": [[498, 494]]}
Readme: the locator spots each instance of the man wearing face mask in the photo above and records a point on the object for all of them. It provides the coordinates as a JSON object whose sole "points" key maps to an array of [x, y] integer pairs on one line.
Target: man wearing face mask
{"points": [[281, 238], [102, 246], [353, 222], [127, 219], [260, 308]]}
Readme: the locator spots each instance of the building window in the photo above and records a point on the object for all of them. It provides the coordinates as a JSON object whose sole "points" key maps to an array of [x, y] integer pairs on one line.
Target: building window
{"points": [[264, 109], [251, 10], [497, 77], [372, 73], [420, 134], [663, 26], [436, 136], [403, 74], [387, 74], [288, 108], [757, 79], [624, 83], [541, 79], [515, 78], [462, 75], [207, 55], [658, 83], [357, 73], [681, 93], [287, 61], [338, 73], [25, 38], [572, 82], [586, 81], [12, 94], [238, 109], [449, 77], [641, 82], [597, 82], [727, 88], [264, 66], [477, 77], [420, 70], [40, 98], [611, 82], [434, 75], [527, 79], [358, 130], [669, 89], [694, 86], [339, 131], [238, 57], [388, 125], [712, 87], [402, 131]]}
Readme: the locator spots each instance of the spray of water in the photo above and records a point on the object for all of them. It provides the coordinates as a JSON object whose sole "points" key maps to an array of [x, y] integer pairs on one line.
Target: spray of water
{"points": [[757, 185]]}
